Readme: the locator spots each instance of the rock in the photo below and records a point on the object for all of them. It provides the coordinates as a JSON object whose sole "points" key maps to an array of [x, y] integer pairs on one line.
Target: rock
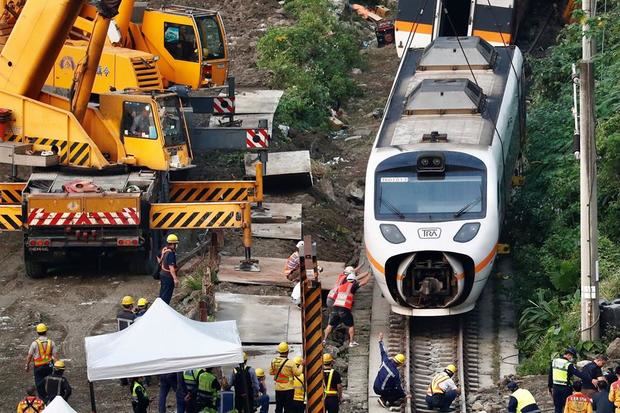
{"points": [[353, 138], [613, 350], [355, 192], [581, 364], [477, 406], [356, 71], [327, 188], [284, 129], [336, 123]]}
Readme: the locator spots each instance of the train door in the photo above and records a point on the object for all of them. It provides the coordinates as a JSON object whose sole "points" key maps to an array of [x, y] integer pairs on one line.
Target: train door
{"points": [[454, 17]]}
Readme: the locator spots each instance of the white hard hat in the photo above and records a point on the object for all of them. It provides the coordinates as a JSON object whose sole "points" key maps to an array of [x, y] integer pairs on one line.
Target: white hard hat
{"points": [[300, 245], [351, 277], [349, 270]]}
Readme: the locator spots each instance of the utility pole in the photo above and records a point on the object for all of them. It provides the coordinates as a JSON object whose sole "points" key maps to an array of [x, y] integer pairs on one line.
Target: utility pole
{"points": [[587, 184]]}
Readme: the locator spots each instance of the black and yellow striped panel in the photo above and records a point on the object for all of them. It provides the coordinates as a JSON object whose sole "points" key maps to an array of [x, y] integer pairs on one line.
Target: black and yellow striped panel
{"points": [[79, 153], [11, 193], [196, 215], [212, 191], [50, 144], [313, 346], [10, 217]]}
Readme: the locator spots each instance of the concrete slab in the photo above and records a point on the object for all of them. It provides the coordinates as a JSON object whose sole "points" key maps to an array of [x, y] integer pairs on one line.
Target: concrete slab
{"points": [[291, 229], [261, 356], [261, 319], [291, 165], [271, 272], [248, 101]]}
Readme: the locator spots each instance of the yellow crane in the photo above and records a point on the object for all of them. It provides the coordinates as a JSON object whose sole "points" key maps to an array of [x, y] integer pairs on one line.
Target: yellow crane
{"points": [[101, 182]]}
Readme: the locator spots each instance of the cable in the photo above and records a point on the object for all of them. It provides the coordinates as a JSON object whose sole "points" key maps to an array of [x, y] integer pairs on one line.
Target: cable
{"points": [[445, 10], [415, 25]]}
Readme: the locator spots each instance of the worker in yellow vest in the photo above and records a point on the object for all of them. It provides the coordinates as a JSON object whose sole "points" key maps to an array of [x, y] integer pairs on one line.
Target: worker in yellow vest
{"points": [[284, 371], [614, 391], [521, 400], [42, 353], [299, 395], [333, 385], [442, 391], [560, 378]]}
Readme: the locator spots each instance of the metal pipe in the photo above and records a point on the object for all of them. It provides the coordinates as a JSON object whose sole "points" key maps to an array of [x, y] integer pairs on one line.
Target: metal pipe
{"points": [[461, 368], [93, 403]]}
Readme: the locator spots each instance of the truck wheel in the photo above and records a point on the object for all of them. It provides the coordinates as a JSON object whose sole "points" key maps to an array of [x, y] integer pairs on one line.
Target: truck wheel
{"points": [[34, 269]]}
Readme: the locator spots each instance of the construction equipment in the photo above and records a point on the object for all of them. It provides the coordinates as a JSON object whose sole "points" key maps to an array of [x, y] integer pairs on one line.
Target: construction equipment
{"points": [[146, 48], [103, 179]]}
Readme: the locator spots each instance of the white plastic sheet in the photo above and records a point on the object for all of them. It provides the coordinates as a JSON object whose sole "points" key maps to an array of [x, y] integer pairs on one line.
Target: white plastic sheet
{"points": [[162, 341], [58, 405]]}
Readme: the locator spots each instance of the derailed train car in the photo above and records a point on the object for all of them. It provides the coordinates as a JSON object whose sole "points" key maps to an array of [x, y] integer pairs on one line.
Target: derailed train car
{"points": [[421, 21], [440, 172]]}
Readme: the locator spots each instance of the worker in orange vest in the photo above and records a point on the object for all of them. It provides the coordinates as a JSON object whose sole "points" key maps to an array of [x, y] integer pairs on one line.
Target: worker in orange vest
{"points": [[284, 371], [42, 353], [578, 402], [30, 403], [614, 392], [343, 305]]}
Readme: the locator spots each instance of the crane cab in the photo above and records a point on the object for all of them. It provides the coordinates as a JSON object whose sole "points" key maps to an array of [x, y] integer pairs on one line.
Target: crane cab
{"points": [[151, 128], [190, 43]]}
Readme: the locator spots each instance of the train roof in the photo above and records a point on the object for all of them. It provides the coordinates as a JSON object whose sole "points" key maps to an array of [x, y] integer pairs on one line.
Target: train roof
{"points": [[443, 88]]}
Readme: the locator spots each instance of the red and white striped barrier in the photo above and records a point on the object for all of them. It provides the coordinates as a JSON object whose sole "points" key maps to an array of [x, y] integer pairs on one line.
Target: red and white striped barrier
{"points": [[224, 105], [256, 138], [39, 217]]}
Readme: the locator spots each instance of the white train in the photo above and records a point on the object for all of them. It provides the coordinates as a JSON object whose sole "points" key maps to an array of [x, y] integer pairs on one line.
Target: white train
{"points": [[440, 172]]}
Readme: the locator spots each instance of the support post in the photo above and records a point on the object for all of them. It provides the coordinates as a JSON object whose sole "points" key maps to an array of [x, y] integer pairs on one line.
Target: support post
{"points": [[93, 403], [587, 185], [312, 328], [248, 264]]}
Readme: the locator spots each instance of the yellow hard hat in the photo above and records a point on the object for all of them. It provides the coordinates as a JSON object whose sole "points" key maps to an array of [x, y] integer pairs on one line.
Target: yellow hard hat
{"points": [[298, 360], [41, 328], [59, 365], [283, 347], [260, 372], [327, 358], [451, 368], [245, 356], [142, 302], [399, 358], [172, 239], [127, 300]]}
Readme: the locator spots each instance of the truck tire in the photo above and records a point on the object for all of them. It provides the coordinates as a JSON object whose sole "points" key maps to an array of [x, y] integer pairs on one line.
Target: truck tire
{"points": [[34, 269]]}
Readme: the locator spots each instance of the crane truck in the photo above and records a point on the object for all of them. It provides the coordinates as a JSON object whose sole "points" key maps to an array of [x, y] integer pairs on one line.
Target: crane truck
{"points": [[101, 172]]}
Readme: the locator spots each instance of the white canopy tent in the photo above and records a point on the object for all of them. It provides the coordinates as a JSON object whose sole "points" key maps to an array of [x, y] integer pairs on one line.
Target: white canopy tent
{"points": [[162, 341], [58, 405]]}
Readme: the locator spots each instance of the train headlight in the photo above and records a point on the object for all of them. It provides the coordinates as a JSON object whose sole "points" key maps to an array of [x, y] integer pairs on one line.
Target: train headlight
{"points": [[467, 232], [392, 233]]}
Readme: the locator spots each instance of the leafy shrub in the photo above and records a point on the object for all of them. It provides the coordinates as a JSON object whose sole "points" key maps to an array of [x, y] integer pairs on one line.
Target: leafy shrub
{"points": [[311, 60]]}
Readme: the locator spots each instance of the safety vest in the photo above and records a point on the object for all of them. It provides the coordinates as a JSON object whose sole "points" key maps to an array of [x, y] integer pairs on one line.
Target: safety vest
{"points": [[279, 365], [614, 394], [342, 277], [559, 371], [524, 398], [578, 403], [328, 388], [45, 353], [206, 392], [344, 296], [189, 377], [300, 391], [134, 393], [30, 404], [434, 388]]}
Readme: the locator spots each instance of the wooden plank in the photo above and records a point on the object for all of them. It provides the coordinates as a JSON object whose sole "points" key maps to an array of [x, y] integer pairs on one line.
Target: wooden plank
{"points": [[271, 272], [281, 163]]}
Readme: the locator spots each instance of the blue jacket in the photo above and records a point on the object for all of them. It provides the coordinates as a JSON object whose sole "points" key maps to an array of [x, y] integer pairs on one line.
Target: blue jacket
{"points": [[388, 377]]}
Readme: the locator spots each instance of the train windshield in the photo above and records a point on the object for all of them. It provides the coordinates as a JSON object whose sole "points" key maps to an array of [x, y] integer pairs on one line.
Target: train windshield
{"points": [[458, 193]]}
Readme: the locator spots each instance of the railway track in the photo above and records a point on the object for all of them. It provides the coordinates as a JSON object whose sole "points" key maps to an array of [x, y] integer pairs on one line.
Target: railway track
{"points": [[431, 343]]}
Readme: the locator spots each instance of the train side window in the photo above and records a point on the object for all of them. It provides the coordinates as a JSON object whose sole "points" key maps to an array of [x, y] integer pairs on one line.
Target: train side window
{"points": [[180, 41], [138, 121]]}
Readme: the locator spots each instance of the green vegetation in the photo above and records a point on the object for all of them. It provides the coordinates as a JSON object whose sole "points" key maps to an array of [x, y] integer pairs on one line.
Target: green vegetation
{"points": [[545, 211], [311, 60]]}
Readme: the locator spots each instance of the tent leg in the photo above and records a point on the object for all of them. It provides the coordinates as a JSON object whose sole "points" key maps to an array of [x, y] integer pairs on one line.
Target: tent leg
{"points": [[93, 404]]}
